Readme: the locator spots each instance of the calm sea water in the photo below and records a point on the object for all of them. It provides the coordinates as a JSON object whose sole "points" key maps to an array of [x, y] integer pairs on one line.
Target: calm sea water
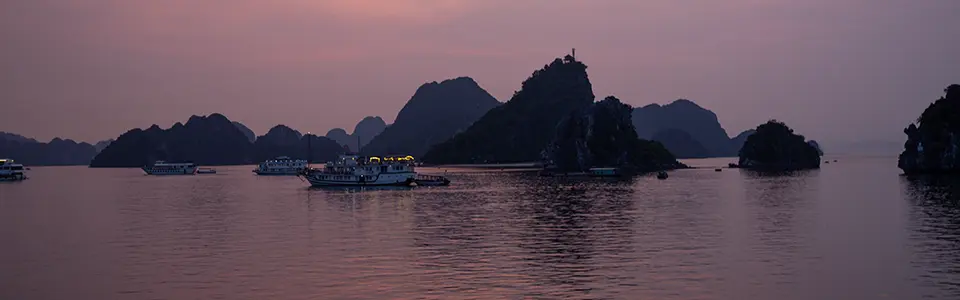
{"points": [[855, 229]]}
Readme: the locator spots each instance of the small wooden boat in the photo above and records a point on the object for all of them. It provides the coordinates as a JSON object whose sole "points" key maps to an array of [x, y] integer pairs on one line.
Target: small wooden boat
{"points": [[431, 180]]}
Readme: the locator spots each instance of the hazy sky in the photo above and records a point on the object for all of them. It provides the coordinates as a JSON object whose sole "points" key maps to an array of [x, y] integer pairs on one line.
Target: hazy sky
{"points": [[832, 69]]}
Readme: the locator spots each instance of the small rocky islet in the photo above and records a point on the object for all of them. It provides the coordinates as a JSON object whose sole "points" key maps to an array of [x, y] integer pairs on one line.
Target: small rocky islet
{"points": [[775, 147]]}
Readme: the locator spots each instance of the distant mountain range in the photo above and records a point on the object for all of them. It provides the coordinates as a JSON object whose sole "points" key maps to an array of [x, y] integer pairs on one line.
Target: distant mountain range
{"points": [[447, 122], [686, 129], [57, 152], [365, 131], [210, 140], [434, 114]]}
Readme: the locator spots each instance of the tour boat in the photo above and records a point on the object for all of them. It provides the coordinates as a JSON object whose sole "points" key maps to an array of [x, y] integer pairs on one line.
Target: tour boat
{"points": [[282, 165], [9, 170], [166, 168], [353, 170]]}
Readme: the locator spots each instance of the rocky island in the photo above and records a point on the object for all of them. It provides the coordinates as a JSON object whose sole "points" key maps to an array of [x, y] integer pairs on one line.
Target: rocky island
{"points": [[518, 130], [211, 140], [774, 147], [602, 135], [933, 144]]}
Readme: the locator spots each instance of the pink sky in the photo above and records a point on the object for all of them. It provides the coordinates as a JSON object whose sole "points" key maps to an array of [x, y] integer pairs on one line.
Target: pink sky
{"points": [[834, 70]]}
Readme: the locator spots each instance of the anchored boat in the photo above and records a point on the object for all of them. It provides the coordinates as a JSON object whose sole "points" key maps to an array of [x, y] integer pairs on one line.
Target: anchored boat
{"points": [[166, 168], [9, 170], [353, 170], [282, 165]]}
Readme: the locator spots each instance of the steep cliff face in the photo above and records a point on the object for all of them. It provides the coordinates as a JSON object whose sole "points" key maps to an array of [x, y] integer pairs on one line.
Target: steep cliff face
{"points": [[934, 145], [775, 147], [435, 113], [246, 131], [602, 135], [518, 130]]}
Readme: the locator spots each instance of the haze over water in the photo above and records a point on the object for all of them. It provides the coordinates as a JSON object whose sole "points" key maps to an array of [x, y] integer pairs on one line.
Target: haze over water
{"points": [[853, 230]]}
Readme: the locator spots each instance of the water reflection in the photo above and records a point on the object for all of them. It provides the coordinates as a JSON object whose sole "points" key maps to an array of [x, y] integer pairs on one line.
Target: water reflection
{"points": [[935, 218], [777, 206], [577, 231], [844, 232]]}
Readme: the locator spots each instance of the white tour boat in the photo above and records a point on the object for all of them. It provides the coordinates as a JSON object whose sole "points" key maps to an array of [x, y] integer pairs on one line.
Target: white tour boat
{"points": [[166, 168], [352, 170], [281, 166], [10, 170]]}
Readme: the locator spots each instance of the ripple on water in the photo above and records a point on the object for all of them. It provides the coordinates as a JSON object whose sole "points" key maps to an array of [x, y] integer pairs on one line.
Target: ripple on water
{"points": [[843, 232]]}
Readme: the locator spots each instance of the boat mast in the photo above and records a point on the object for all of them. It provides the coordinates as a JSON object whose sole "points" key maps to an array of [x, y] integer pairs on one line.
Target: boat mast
{"points": [[358, 144], [309, 150]]}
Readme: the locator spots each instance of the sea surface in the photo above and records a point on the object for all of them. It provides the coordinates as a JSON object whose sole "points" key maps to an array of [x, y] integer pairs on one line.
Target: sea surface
{"points": [[855, 229]]}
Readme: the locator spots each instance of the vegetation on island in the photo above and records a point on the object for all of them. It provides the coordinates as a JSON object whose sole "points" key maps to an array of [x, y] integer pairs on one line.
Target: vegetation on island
{"points": [[933, 143], [518, 130], [602, 135], [775, 147]]}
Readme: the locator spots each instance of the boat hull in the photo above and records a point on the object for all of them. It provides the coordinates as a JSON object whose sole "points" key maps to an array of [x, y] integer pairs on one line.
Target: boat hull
{"points": [[186, 171], [292, 172], [384, 179], [13, 177]]}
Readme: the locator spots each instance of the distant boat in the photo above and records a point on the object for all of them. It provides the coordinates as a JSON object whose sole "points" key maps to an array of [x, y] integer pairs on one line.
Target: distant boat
{"points": [[662, 175], [165, 168], [206, 171], [9, 170], [605, 172], [282, 165]]}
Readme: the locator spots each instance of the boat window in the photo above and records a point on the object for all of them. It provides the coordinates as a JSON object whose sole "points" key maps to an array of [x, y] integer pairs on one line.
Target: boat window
{"points": [[17, 168]]}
